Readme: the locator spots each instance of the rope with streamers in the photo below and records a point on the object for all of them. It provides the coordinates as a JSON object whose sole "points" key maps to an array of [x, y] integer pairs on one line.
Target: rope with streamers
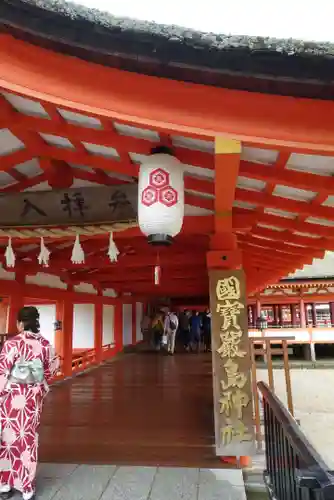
{"points": [[66, 232]]}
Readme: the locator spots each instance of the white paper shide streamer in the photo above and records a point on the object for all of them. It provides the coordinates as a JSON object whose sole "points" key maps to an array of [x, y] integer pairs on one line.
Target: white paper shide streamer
{"points": [[113, 251], [44, 255], [78, 256], [9, 254]]}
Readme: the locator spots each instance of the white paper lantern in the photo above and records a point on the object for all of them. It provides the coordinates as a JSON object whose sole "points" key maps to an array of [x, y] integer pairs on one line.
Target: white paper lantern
{"points": [[161, 197]]}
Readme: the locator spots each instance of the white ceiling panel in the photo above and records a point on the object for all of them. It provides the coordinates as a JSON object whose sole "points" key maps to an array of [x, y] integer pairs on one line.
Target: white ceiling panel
{"points": [[6, 179], [198, 172], [9, 143], [58, 141], [80, 119], [194, 144], [105, 151], [321, 165], [26, 106], [280, 213], [329, 202], [306, 235], [321, 222], [294, 193], [244, 204], [82, 167], [250, 184], [257, 155], [200, 193], [268, 226], [29, 168], [191, 210], [139, 133]]}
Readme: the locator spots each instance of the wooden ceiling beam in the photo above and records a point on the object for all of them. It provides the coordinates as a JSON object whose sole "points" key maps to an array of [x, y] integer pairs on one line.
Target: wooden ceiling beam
{"points": [[290, 224], [284, 248], [128, 261], [280, 203], [289, 178], [287, 237], [102, 137]]}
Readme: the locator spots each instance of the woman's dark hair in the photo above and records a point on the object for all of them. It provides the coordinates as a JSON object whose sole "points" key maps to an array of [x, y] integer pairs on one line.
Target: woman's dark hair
{"points": [[29, 316]]}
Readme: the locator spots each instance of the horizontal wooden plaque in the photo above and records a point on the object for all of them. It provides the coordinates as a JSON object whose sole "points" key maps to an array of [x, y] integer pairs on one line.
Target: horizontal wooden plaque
{"points": [[70, 206], [232, 389]]}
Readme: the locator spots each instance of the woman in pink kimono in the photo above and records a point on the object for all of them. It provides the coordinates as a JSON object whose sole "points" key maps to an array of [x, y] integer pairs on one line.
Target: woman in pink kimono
{"points": [[26, 366]]}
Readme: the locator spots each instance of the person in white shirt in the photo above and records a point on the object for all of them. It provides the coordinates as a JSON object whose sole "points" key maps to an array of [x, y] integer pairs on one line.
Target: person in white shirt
{"points": [[170, 329]]}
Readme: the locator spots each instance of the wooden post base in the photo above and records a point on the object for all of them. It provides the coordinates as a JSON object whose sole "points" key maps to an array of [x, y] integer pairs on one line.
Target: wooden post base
{"points": [[241, 462]]}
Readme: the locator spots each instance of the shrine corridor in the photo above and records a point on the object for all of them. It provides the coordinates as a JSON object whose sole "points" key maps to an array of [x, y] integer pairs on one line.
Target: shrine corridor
{"points": [[142, 409]]}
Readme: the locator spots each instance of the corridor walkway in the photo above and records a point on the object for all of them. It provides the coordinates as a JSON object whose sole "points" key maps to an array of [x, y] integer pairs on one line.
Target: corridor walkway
{"points": [[142, 409]]}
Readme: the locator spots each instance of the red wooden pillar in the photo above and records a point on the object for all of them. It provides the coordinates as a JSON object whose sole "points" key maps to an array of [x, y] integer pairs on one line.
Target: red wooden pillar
{"points": [[98, 331], [224, 253], [314, 315], [331, 310], [280, 315], [118, 326], [293, 315], [302, 313], [134, 324], [66, 333], [16, 302], [59, 332], [276, 315], [258, 309]]}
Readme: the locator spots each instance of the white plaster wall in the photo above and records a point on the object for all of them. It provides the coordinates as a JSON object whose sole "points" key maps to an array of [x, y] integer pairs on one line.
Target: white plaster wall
{"points": [[108, 324], [83, 326], [47, 318], [127, 324], [139, 317]]}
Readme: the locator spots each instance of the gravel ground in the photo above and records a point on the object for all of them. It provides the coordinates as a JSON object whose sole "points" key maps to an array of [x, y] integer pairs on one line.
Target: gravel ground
{"points": [[313, 405]]}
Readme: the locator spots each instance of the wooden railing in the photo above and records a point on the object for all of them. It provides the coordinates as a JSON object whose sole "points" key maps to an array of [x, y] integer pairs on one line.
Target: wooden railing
{"points": [[267, 352], [294, 470], [85, 360]]}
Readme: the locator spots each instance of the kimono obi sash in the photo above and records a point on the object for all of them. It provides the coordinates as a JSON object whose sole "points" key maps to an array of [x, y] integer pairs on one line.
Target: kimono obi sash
{"points": [[27, 372]]}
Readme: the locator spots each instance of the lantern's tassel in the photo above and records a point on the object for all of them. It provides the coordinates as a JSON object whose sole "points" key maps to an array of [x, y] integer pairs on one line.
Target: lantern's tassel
{"points": [[44, 254], [9, 254], [78, 256], [113, 251], [157, 274]]}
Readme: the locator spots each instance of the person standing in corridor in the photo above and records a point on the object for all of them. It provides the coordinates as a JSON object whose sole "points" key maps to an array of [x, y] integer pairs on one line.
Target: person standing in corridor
{"points": [[27, 363], [207, 330], [171, 326], [195, 331]]}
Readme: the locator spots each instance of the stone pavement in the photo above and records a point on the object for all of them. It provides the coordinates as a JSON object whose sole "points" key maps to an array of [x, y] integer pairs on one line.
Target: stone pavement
{"points": [[108, 482]]}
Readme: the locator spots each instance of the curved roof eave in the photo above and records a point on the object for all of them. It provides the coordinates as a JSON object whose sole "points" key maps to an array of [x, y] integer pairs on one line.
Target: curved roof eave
{"points": [[286, 67]]}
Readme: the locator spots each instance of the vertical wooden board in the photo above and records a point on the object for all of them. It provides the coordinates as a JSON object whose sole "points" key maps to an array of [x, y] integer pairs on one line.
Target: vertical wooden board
{"points": [[231, 361]]}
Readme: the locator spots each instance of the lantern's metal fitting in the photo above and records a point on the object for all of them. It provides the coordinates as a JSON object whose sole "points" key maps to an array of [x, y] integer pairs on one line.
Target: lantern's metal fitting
{"points": [[162, 149], [160, 240]]}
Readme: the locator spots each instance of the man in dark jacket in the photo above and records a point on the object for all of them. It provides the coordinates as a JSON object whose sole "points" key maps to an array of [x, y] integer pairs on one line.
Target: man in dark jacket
{"points": [[207, 330]]}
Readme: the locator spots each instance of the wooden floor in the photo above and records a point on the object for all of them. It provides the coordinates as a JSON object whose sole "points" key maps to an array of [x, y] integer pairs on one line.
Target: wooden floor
{"points": [[143, 409]]}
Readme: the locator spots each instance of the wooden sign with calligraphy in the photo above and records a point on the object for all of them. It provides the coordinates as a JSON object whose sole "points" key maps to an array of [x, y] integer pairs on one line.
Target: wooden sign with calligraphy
{"points": [[232, 389], [90, 205]]}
